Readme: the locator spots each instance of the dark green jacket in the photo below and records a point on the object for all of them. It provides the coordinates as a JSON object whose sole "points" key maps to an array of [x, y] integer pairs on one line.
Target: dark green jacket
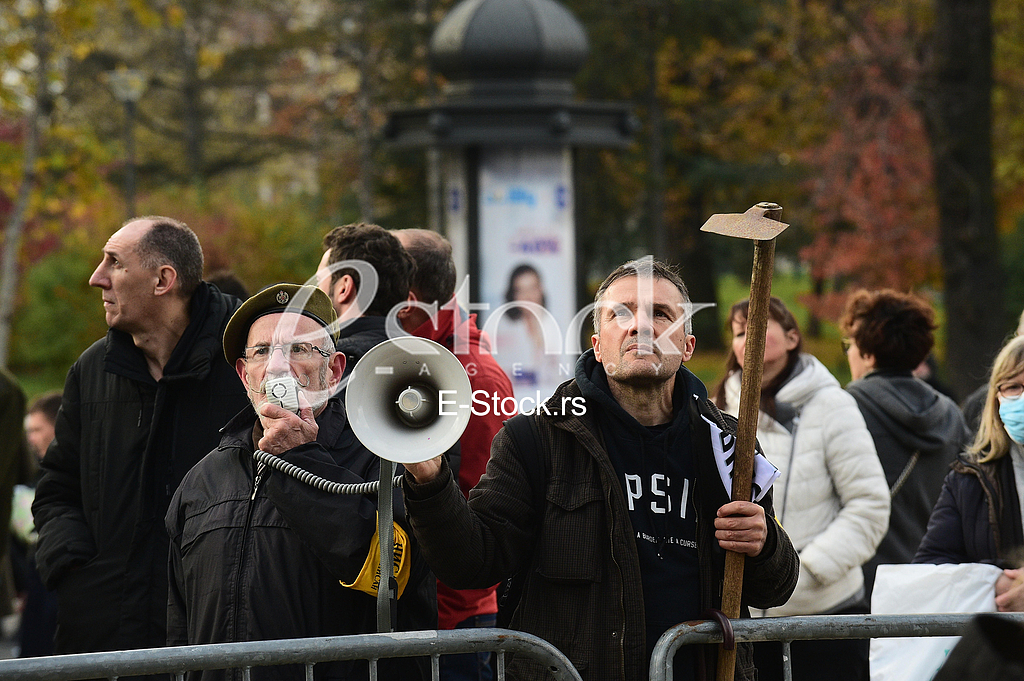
{"points": [[582, 590]]}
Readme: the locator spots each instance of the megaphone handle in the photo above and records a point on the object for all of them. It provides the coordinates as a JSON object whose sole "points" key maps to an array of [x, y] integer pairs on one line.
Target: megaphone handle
{"points": [[385, 531]]}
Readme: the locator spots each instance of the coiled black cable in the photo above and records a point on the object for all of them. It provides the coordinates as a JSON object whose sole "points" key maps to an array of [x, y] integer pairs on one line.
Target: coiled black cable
{"points": [[316, 481]]}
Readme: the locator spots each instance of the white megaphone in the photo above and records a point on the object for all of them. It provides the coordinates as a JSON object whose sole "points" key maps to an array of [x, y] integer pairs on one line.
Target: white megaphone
{"points": [[395, 401]]}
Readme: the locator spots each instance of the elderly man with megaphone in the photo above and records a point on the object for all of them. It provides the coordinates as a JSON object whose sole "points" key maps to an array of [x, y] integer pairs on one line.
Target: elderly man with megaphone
{"points": [[257, 554]]}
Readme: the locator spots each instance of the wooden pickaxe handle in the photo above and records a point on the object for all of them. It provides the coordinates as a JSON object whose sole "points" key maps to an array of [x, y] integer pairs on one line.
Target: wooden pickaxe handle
{"points": [[746, 430]]}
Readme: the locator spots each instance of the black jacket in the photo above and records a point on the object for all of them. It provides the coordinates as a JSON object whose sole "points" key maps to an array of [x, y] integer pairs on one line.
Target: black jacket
{"points": [[977, 518], [123, 442], [574, 542], [259, 556], [906, 415], [358, 336]]}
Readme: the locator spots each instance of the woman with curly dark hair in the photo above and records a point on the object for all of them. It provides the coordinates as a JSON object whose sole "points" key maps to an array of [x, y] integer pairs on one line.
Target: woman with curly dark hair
{"points": [[917, 430]]}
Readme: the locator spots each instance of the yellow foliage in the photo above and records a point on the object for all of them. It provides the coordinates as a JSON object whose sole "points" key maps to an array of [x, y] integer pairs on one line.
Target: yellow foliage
{"points": [[78, 210], [82, 50], [145, 14], [210, 60], [175, 16]]}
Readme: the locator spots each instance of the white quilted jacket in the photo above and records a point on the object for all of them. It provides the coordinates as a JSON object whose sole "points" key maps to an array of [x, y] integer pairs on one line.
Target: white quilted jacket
{"points": [[831, 496]]}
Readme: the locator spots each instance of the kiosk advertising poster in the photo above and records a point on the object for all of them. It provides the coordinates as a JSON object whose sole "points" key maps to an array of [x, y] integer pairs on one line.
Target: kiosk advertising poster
{"points": [[528, 265]]}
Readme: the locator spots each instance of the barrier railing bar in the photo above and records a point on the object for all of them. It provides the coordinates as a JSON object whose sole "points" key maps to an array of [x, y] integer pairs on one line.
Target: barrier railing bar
{"points": [[501, 666], [807, 627], [179, 660], [435, 668], [309, 672]]}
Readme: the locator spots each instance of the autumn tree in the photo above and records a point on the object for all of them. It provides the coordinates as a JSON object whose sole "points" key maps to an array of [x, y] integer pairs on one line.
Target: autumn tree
{"points": [[54, 164], [903, 188], [871, 187], [693, 70], [38, 107]]}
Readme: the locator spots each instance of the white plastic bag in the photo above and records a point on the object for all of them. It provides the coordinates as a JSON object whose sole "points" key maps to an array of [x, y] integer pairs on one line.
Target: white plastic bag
{"points": [[915, 589]]}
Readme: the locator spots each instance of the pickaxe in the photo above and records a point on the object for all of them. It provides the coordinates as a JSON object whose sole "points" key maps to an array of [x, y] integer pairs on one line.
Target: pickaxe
{"points": [[760, 223]]}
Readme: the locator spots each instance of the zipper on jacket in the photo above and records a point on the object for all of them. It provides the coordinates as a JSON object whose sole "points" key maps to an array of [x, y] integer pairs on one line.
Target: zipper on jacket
{"points": [[260, 467], [613, 511], [240, 572], [622, 614]]}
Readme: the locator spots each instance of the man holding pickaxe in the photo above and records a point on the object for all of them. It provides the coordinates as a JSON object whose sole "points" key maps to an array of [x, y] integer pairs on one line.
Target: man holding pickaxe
{"points": [[607, 507]]}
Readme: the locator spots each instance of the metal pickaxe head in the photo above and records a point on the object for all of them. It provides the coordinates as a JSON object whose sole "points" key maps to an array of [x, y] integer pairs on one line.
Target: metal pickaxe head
{"points": [[750, 225]]}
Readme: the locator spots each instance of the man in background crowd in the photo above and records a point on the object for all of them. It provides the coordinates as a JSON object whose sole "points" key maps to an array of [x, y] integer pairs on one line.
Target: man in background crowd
{"points": [[229, 282], [364, 289], [39, 614], [433, 287], [15, 467], [39, 422], [140, 407]]}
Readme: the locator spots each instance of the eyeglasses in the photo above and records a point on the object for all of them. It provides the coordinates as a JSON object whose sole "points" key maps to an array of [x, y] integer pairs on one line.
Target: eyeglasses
{"points": [[1011, 390], [847, 344], [293, 352]]}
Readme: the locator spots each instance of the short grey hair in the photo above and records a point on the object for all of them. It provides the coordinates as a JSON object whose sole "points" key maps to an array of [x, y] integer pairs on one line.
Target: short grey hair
{"points": [[644, 267]]}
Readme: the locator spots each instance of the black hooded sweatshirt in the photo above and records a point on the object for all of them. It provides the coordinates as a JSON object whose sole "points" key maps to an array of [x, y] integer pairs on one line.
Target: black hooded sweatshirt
{"points": [[656, 469], [906, 415]]}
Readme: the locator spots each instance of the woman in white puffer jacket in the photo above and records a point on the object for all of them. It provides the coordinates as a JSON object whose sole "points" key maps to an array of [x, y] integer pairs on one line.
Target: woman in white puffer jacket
{"points": [[831, 495]]}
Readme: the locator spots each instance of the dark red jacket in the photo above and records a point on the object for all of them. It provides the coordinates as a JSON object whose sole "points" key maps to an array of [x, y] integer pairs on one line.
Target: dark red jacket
{"points": [[472, 347]]}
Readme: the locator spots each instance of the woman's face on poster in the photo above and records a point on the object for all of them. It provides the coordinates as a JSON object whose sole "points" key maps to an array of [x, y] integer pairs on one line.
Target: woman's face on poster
{"points": [[527, 287]]}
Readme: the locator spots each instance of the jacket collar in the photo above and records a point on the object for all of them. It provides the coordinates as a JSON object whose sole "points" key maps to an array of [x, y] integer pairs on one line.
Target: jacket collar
{"points": [[193, 356], [593, 385], [358, 335]]}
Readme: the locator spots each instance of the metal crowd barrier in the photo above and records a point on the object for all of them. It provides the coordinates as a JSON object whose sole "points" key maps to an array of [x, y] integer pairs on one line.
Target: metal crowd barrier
{"points": [[788, 629], [308, 651]]}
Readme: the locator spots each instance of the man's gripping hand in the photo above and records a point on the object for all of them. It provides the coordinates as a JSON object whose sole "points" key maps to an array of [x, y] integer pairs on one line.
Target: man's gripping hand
{"points": [[284, 430], [425, 471], [741, 527]]}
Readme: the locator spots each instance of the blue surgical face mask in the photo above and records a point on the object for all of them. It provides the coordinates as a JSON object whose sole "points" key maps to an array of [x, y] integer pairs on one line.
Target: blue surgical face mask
{"points": [[1011, 411]]}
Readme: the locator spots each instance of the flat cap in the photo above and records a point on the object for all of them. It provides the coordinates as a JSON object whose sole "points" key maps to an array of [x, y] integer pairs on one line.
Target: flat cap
{"points": [[305, 300]]}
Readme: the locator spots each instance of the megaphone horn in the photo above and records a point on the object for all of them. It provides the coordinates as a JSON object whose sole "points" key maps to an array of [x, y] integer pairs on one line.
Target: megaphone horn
{"points": [[408, 399]]}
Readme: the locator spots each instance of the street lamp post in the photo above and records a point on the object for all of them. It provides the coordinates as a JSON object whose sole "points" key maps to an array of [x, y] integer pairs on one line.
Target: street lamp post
{"points": [[128, 86]]}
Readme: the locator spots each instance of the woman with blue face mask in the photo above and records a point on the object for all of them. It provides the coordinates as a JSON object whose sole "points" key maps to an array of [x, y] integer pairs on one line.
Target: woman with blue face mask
{"points": [[977, 518]]}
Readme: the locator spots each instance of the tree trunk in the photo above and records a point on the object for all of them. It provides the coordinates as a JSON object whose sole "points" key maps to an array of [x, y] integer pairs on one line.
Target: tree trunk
{"points": [[958, 112], [9, 274]]}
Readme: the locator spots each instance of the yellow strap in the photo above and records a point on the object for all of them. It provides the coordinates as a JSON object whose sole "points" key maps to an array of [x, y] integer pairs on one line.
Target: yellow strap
{"points": [[368, 578]]}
